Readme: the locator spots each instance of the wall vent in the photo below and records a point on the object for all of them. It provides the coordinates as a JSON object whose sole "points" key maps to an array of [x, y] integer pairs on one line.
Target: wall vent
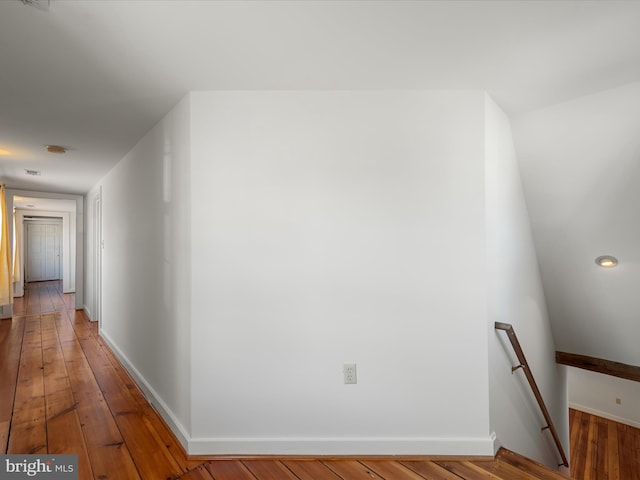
{"points": [[33, 173]]}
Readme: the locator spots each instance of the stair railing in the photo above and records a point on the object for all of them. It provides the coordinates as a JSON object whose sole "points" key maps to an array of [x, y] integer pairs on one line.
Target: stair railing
{"points": [[511, 334]]}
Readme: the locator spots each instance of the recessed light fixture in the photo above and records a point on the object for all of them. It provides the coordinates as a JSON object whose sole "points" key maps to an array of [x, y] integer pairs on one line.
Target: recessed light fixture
{"points": [[607, 261], [55, 149]]}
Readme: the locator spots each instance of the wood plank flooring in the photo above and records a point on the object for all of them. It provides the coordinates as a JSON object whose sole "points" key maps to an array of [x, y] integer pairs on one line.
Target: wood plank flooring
{"points": [[602, 449], [506, 466], [63, 391]]}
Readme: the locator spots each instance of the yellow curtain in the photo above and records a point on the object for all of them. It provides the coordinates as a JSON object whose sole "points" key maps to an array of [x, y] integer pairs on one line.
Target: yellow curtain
{"points": [[6, 294]]}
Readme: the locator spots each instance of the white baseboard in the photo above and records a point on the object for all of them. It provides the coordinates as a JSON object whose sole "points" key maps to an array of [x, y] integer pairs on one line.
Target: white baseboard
{"points": [[6, 311], [607, 415], [343, 446], [151, 395]]}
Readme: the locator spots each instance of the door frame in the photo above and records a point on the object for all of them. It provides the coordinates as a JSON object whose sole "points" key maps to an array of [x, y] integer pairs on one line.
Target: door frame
{"points": [[73, 232], [97, 244], [43, 221]]}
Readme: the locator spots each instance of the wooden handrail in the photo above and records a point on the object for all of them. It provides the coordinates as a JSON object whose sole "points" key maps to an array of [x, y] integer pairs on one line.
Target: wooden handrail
{"points": [[507, 327]]}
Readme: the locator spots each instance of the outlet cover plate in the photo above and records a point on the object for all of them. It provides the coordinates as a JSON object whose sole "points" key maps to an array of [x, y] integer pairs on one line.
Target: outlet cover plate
{"points": [[349, 373]]}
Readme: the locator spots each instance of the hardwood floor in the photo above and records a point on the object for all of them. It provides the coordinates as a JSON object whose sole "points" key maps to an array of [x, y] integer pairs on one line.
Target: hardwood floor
{"points": [[63, 391], [506, 466], [70, 395], [602, 449]]}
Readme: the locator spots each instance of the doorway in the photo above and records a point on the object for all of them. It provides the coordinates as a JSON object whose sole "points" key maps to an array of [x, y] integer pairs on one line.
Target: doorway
{"points": [[70, 208], [43, 253]]}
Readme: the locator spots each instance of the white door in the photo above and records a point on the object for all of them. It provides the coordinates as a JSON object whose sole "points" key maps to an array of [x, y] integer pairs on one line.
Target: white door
{"points": [[43, 251]]}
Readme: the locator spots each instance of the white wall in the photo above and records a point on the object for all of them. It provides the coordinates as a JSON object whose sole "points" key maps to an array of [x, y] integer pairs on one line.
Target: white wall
{"points": [[146, 309], [256, 241], [515, 296], [596, 393], [334, 227]]}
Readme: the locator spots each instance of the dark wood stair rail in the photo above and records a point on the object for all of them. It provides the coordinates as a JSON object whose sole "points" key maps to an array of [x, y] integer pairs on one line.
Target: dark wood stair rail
{"points": [[507, 327]]}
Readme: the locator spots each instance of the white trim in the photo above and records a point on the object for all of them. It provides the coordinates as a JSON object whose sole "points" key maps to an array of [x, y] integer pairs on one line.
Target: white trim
{"points": [[343, 446], [152, 396], [497, 444], [606, 415]]}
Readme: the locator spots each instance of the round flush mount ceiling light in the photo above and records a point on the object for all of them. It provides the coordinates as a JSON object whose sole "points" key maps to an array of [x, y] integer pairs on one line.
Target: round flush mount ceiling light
{"points": [[607, 261], [55, 149]]}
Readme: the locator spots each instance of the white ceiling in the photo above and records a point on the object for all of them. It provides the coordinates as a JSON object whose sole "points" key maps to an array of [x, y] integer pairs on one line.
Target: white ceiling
{"points": [[94, 76]]}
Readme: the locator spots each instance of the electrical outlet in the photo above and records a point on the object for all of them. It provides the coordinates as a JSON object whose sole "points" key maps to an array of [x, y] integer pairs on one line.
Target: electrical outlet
{"points": [[349, 373]]}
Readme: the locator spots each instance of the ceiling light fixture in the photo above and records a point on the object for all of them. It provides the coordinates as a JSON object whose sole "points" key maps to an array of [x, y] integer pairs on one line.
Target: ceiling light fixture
{"points": [[55, 149], [4, 151], [607, 261]]}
